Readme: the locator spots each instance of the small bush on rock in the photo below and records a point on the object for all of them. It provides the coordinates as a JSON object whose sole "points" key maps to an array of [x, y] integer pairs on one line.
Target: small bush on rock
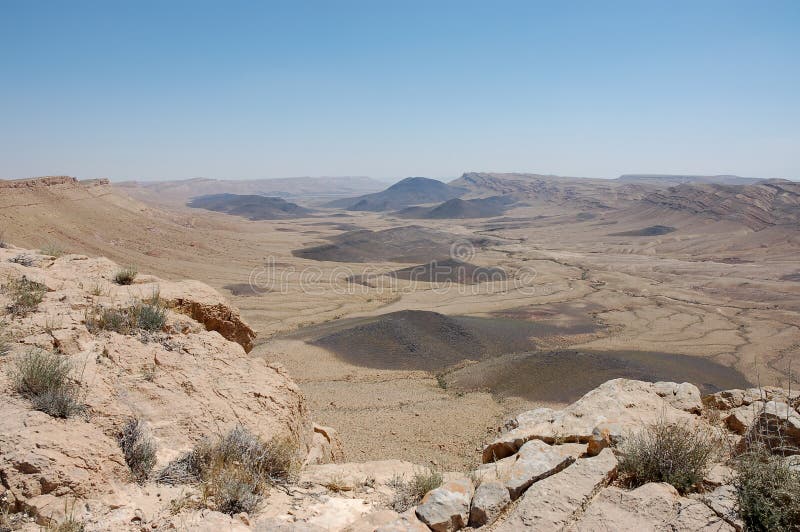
{"points": [[126, 275], [410, 493], [138, 448], [675, 453], [150, 316], [236, 470], [25, 295], [767, 489], [52, 250], [43, 377]]}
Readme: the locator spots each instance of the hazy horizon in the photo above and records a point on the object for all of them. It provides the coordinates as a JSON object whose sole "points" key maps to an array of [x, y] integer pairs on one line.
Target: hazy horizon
{"points": [[164, 91]]}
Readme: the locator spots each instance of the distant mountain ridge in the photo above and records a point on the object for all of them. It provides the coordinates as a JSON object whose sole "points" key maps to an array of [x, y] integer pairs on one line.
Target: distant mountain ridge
{"points": [[458, 208], [676, 179]]}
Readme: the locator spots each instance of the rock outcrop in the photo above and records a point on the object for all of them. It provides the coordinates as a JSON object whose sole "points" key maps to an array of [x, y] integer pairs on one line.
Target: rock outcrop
{"points": [[187, 382]]}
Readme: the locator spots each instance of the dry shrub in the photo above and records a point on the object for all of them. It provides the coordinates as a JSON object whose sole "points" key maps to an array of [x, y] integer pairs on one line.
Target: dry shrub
{"points": [[22, 259], [5, 343], [676, 453], [138, 448], [52, 249], [43, 377], [148, 315], [236, 470], [126, 275], [409, 493], [767, 489], [25, 295]]}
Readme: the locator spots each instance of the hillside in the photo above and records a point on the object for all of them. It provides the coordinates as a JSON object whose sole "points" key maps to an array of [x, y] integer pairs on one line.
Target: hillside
{"points": [[758, 206], [410, 191], [668, 180], [250, 206]]}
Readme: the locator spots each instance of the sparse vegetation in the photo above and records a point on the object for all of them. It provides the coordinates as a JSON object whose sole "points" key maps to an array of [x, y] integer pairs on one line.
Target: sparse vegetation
{"points": [[441, 381], [138, 448], [126, 275], [25, 295], [3, 243], [43, 377], [337, 484], [5, 344], [52, 249], [236, 470], [22, 259], [148, 315], [675, 453], [408, 493], [768, 490]]}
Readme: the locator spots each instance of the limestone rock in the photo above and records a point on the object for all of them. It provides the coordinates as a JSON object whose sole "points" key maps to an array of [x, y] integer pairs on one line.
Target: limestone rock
{"points": [[408, 522], [653, 506], [626, 403], [683, 396], [534, 461], [381, 472], [551, 504], [372, 521], [603, 436], [325, 446], [207, 306], [489, 500], [722, 502], [447, 507], [740, 418], [778, 425]]}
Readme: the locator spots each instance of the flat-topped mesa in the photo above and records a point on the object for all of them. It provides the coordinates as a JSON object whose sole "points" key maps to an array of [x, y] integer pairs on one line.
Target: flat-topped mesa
{"points": [[49, 181]]}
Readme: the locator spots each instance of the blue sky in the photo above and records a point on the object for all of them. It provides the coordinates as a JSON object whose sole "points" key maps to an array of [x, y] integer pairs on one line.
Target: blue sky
{"points": [[172, 89]]}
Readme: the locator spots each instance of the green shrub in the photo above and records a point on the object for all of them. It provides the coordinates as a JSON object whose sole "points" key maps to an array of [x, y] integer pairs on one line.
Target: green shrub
{"points": [[150, 316], [52, 250], [767, 490], [25, 295], [675, 453], [126, 275], [410, 493], [43, 377], [108, 319], [138, 448], [236, 470]]}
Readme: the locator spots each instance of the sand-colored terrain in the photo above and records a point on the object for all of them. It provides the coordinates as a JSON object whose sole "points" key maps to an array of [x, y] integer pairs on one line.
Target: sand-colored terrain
{"points": [[714, 289]]}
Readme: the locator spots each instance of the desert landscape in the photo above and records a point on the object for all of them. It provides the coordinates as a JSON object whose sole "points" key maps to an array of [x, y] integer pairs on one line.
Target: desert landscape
{"points": [[415, 340], [352, 266]]}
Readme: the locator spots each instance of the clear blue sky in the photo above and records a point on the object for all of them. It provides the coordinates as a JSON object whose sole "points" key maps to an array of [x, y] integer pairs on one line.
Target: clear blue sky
{"points": [[171, 89]]}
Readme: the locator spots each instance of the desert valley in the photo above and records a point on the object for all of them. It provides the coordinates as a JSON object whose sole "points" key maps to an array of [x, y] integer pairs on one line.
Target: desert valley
{"points": [[410, 322]]}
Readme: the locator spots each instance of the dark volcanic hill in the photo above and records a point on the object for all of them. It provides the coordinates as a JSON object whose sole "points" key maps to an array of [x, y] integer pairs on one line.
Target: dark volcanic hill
{"points": [[408, 192], [457, 208], [413, 244], [423, 340], [250, 206], [441, 272], [768, 203]]}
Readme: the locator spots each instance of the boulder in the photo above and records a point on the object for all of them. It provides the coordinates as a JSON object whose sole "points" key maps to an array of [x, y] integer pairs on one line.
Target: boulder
{"points": [[740, 418], [490, 499], [408, 522], [207, 306], [603, 436], [625, 403], [447, 507], [552, 503], [326, 446], [534, 461], [723, 502], [650, 507], [778, 425]]}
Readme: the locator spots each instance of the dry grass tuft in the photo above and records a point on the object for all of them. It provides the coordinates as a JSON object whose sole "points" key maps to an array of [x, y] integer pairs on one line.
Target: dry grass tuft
{"points": [[43, 377], [236, 470], [410, 493], [676, 453], [138, 448], [126, 275], [147, 315], [52, 249], [25, 295]]}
